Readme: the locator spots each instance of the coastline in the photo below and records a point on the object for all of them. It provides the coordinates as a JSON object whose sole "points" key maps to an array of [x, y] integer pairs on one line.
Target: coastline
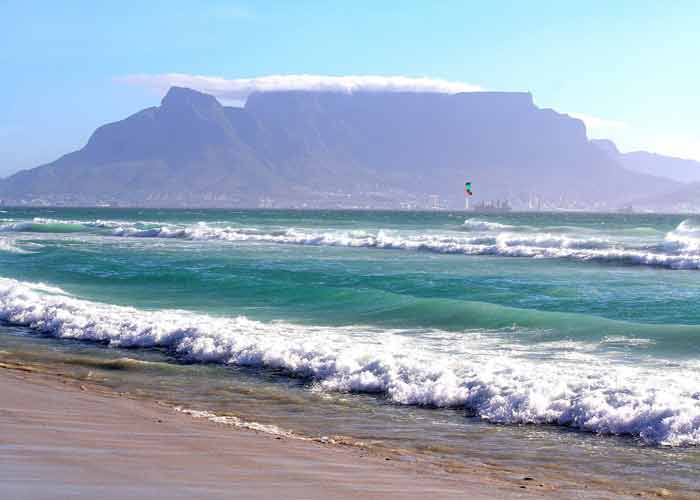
{"points": [[64, 438]]}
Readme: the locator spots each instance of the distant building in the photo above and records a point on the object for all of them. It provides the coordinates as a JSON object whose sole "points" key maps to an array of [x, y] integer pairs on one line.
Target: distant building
{"points": [[534, 203], [266, 203], [493, 206]]}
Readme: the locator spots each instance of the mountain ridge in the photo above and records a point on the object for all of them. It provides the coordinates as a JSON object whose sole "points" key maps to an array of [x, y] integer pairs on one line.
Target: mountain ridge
{"points": [[670, 167], [305, 148]]}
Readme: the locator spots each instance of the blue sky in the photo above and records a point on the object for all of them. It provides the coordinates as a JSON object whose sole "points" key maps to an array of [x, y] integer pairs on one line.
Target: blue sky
{"points": [[631, 67]]}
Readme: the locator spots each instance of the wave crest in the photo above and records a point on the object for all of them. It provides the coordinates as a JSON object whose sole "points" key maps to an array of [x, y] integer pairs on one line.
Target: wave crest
{"points": [[685, 238], [505, 244], [10, 245], [658, 406], [680, 249], [482, 225]]}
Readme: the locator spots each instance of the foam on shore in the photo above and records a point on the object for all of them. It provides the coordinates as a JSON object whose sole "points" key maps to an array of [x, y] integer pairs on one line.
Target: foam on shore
{"points": [[657, 406]]}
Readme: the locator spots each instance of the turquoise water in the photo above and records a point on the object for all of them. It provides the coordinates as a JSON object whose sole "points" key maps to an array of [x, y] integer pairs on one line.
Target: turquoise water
{"points": [[576, 331]]}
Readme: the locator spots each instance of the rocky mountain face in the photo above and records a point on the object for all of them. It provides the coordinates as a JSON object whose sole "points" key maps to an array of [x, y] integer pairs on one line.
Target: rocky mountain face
{"points": [[336, 149]]}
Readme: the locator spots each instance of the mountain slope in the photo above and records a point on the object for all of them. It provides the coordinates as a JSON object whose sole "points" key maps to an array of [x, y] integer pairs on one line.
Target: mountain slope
{"points": [[677, 169], [325, 148]]}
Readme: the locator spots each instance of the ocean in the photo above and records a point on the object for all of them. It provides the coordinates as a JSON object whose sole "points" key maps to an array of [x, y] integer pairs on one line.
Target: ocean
{"points": [[565, 343]]}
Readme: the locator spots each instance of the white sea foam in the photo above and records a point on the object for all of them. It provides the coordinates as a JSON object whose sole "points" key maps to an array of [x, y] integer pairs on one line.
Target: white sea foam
{"points": [[10, 245], [623, 341], [657, 406], [680, 249], [238, 422], [685, 238], [533, 245], [28, 225], [15, 227], [482, 225], [99, 223], [41, 287]]}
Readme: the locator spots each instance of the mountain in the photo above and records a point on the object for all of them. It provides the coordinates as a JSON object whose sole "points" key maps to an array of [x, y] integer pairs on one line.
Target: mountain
{"points": [[677, 169], [336, 149]]}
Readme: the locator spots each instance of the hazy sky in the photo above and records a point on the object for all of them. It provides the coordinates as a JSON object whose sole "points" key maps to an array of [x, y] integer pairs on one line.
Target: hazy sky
{"points": [[630, 68]]}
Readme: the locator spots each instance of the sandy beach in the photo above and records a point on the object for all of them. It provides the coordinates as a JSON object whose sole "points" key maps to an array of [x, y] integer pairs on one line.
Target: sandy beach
{"points": [[68, 442], [63, 439]]}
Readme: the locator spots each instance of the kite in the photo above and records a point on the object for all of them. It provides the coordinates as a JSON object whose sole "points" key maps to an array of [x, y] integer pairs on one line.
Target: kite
{"points": [[468, 189]]}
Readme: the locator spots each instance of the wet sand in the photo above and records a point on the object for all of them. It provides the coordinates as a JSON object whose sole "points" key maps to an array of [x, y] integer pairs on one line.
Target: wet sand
{"points": [[59, 439]]}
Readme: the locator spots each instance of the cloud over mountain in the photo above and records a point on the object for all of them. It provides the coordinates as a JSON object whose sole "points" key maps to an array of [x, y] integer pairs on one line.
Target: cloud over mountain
{"points": [[596, 122], [238, 89]]}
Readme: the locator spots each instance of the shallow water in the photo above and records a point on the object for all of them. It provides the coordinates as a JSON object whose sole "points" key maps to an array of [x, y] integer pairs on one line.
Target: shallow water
{"points": [[560, 342]]}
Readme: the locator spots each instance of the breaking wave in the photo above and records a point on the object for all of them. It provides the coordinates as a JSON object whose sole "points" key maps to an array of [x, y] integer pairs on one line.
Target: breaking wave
{"points": [[657, 406], [9, 245], [685, 238], [482, 225], [679, 249], [45, 225], [671, 254]]}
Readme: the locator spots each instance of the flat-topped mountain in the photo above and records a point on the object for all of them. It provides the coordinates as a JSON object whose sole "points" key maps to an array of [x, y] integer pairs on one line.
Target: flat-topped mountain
{"points": [[336, 149]]}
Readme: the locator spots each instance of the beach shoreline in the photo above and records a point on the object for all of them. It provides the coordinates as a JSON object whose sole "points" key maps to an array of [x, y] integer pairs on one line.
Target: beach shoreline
{"points": [[64, 438]]}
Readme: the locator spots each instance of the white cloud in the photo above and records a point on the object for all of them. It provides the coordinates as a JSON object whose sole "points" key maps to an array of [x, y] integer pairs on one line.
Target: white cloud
{"points": [[596, 123], [238, 89]]}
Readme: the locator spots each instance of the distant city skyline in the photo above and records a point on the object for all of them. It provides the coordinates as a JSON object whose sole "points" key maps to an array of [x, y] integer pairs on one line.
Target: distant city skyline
{"points": [[626, 68]]}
